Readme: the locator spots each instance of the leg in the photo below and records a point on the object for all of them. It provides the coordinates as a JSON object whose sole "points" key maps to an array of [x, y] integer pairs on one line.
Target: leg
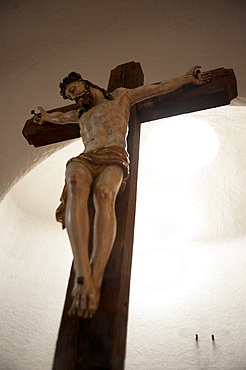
{"points": [[79, 180], [104, 194]]}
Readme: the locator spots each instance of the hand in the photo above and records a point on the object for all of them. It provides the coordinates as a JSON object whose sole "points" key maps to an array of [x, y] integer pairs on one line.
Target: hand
{"points": [[40, 118], [198, 77]]}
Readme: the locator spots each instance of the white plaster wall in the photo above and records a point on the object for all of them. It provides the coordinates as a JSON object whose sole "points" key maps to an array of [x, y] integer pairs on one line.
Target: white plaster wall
{"points": [[191, 280], [35, 264]]}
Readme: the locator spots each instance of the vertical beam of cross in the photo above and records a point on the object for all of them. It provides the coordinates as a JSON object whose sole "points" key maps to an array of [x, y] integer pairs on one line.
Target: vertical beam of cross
{"points": [[100, 342]]}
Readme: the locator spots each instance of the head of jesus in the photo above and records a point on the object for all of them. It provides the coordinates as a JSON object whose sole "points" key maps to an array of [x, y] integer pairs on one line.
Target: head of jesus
{"points": [[74, 87]]}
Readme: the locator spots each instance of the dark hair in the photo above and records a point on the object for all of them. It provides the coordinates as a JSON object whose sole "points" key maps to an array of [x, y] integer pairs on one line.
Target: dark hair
{"points": [[74, 76]]}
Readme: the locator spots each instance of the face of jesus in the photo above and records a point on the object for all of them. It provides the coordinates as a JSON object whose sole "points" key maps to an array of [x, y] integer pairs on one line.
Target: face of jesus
{"points": [[81, 93], [75, 91]]}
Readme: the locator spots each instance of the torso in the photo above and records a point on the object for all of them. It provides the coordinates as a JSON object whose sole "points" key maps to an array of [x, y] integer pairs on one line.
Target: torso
{"points": [[106, 124]]}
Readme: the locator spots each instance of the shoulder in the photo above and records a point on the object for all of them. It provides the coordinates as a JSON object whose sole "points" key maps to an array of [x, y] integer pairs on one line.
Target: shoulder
{"points": [[119, 92]]}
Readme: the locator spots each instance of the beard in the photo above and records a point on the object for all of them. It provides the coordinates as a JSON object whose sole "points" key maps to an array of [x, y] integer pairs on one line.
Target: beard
{"points": [[85, 100]]}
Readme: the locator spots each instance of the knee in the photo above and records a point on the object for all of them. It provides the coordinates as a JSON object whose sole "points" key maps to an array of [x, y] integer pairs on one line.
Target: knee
{"points": [[76, 183], [104, 195]]}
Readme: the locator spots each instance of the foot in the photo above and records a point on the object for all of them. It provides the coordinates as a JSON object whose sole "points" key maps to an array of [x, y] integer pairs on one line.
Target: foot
{"points": [[85, 298]]}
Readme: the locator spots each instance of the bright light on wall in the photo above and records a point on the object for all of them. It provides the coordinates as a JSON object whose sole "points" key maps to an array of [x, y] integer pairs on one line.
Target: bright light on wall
{"points": [[157, 268], [172, 150], [181, 146]]}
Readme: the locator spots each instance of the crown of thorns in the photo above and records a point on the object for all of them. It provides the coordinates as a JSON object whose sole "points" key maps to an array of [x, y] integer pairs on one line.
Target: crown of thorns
{"points": [[74, 76]]}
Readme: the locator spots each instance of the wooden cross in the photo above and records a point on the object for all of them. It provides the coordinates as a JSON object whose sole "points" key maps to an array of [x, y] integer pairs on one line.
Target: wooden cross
{"points": [[100, 342]]}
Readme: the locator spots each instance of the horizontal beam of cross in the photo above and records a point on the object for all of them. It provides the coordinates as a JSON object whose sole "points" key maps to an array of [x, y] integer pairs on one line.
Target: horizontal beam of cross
{"points": [[221, 89]]}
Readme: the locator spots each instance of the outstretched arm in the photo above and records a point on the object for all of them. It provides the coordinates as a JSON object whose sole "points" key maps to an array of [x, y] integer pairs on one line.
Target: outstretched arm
{"points": [[194, 76], [58, 118]]}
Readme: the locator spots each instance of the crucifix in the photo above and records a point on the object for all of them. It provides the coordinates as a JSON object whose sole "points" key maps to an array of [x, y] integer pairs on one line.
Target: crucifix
{"points": [[93, 330]]}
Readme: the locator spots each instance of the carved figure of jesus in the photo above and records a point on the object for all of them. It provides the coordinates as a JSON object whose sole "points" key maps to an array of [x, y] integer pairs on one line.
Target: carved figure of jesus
{"points": [[104, 168]]}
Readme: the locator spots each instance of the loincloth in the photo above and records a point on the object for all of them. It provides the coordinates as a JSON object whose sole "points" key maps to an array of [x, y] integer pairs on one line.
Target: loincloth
{"points": [[96, 161]]}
